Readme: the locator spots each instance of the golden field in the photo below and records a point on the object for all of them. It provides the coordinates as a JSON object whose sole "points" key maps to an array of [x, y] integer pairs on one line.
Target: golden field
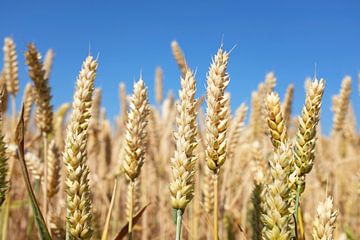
{"points": [[181, 168]]}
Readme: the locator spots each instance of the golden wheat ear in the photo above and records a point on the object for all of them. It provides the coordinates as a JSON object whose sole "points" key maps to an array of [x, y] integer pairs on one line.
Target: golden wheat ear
{"points": [[135, 144], [179, 57], [275, 120], [11, 70], [78, 202], [325, 220]]}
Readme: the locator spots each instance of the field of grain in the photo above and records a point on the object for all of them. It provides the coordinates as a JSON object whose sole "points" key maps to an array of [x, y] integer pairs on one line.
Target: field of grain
{"points": [[181, 168]]}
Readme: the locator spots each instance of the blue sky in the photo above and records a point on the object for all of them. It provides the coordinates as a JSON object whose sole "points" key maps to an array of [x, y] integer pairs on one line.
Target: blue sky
{"points": [[287, 37]]}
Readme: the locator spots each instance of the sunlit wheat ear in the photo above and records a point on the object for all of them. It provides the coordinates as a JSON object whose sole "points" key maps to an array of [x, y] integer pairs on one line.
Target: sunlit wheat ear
{"points": [[4, 167], [179, 57], [325, 220], [135, 143], [216, 111], [236, 128], [159, 85], [58, 122], [255, 117], [48, 62], [287, 105], [44, 111], [208, 190], [79, 207], [136, 135], [123, 103], [258, 195], [11, 66], [342, 105], [277, 217], [28, 100], [54, 169], [304, 149], [275, 120], [270, 82], [183, 162]]}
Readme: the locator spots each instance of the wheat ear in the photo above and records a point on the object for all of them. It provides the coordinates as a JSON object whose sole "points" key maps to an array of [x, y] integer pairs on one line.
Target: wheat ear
{"points": [[277, 217], [275, 120], [123, 103], [304, 149], [28, 101], [342, 105], [324, 223], [217, 121], [159, 85], [287, 105], [179, 57], [48, 62], [44, 111], [79, 207], [183, 162], [11, 67], [136, 141]]}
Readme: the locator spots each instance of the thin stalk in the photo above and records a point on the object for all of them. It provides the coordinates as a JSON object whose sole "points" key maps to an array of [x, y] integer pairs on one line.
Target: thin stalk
{"points": [[178, 223], [216, 199], [132, 190], [45, 200]]}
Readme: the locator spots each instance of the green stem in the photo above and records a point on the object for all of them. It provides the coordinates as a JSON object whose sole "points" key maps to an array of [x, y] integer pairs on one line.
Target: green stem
{"points": [[178, 223]]}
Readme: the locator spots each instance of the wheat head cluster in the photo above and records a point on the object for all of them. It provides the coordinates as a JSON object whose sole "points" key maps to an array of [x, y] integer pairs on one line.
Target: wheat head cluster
{"points": [[184, 167]]}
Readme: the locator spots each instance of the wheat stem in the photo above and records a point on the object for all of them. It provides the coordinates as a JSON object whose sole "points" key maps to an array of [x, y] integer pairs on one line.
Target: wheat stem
{"points": [[178, 223], [216, 199], [131, 205]]}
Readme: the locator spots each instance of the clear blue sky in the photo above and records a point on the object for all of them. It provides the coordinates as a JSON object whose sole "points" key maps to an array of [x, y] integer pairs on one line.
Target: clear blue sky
{"points": [[288, 37]]}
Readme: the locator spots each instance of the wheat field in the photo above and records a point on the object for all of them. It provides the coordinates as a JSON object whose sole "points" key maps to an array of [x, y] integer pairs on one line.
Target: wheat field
{"points": [[181, 168]]}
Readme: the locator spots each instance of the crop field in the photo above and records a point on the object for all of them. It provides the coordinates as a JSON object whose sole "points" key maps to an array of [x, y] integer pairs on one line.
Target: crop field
{"points": [[183, 167]]}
